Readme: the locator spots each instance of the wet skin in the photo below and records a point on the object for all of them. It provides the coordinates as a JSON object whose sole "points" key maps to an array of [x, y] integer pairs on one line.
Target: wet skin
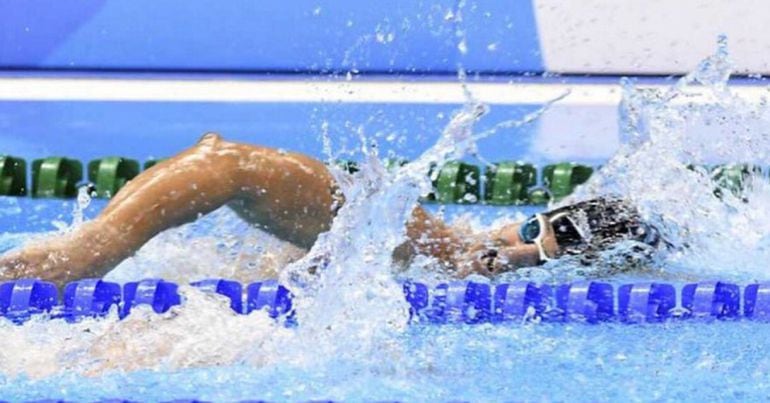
{"points": [[290, 195]]}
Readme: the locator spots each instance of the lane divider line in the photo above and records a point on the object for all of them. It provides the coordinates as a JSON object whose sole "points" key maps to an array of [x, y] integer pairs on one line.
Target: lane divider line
{"points": [[318, 91]]}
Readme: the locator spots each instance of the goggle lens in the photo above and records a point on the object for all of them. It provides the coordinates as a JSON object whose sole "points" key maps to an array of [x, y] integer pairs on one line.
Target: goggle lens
{"points": [[530, 230]]}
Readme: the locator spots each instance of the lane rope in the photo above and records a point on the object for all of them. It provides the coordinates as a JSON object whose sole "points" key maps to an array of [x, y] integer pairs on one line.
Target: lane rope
{"points": [[458, 302]]}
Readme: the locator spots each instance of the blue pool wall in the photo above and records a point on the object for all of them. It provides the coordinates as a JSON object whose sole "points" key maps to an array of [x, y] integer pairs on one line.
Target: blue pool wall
{"points": [[141, 130], [242, 39], [302, 40], [266, 36]]}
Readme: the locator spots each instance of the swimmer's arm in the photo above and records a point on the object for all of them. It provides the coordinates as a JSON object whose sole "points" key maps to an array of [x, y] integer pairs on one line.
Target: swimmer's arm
{"points": [[286, 194], [427, 235], [465, 254]]}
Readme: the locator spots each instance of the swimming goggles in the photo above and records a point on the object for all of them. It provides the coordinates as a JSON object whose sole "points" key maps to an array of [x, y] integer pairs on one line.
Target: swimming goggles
{"points": [[532, 232], [566, 232]]}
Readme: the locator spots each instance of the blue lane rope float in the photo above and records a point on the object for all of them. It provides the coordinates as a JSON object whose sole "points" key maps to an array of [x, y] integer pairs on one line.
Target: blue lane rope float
{"points": [[22, 298], [650, 302], [159, 294], [90, 297], [456, 302], [712, 299], [270, 296], [230, 289], [756, 300]]}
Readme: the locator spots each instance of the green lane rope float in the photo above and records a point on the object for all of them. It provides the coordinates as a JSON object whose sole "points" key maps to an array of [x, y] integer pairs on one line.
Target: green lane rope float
{"points": [[393, 163], [561, 179], [508, 183], [732, 177], [110, 174], [56, 177], [458, 182], [348, 166], [505, 183], [151, 163], [13, 176], [538, 196]]}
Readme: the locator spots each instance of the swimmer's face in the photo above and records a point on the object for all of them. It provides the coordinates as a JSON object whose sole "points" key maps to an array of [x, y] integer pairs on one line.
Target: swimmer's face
{"points": [[509, 236], [504, 250]]}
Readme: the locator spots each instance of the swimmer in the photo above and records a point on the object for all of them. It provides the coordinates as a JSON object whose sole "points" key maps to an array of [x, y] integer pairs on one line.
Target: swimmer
{"points": [[295, 198]]}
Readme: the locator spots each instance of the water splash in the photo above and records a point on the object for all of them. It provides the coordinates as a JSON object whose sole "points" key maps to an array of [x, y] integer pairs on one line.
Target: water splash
{"points": [[359, 249], [342, 322], [671, 138]]}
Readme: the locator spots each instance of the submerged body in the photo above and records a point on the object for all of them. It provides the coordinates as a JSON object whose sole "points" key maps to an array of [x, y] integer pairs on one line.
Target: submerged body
{"points": [[295, 198]]}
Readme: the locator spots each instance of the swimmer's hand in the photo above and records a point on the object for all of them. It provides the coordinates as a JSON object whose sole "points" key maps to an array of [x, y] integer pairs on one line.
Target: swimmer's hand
{"points": [[502, 251], [59, 259], [40, 261], [488, 259], [478, 258]]}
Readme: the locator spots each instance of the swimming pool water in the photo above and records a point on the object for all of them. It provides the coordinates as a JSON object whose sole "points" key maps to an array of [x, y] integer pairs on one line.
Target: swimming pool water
{"points": [[551, 362], [675, 361]]}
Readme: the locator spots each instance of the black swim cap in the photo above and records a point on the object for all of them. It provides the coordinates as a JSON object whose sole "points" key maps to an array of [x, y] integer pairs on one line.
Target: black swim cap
{"points": [[597, 224]]}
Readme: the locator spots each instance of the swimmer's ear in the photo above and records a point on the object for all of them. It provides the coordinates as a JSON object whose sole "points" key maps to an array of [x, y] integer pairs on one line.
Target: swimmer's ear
{"points": [[210, 139]]}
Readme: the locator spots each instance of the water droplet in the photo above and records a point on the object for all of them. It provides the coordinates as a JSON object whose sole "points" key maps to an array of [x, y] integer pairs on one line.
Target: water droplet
{"points": [[462, 46]]}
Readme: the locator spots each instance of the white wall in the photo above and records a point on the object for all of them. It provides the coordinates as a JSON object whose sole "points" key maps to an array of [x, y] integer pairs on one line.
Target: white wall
{"points": [[650, 36]]}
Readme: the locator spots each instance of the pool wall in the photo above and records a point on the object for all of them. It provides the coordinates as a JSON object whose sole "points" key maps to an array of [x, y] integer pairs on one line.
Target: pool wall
{"points": [[142, 80], [406, 37]]}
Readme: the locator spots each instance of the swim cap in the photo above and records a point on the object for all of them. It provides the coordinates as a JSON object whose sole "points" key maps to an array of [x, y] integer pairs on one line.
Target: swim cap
{"points": [[597, 224]]}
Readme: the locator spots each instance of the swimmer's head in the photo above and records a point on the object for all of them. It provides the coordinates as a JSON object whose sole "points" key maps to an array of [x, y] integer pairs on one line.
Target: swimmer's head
{"points": [[587, 227], [581, 229]]}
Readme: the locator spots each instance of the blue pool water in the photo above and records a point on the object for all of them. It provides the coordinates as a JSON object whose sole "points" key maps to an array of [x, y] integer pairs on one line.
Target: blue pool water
{"points": [[676, 362], [682, 361]]}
